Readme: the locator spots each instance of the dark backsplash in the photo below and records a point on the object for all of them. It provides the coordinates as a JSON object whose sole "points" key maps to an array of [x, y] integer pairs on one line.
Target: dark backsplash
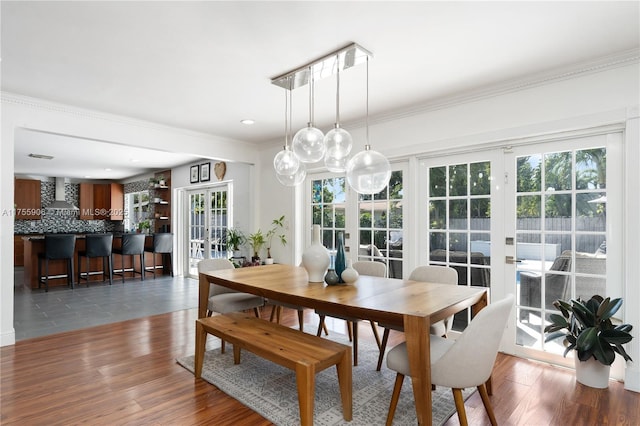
{"points": [[63, 222]]}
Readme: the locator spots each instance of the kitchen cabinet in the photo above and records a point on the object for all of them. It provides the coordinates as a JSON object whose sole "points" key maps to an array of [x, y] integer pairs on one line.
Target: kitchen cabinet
{"points": [[18, 250], [100, 201], [86, 201], [28, 199]]}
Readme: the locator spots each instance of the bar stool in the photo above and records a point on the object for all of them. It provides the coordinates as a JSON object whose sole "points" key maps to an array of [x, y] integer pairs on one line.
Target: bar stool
{"points": [[162, 244], [56, 246], [97, 245], [132, 245]]}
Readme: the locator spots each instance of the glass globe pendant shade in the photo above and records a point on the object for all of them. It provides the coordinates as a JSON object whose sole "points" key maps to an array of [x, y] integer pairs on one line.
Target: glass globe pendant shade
{"points": [[335, 165], [286, 163], [368, 172], [294, 179], [338, 143], [308, 144]]}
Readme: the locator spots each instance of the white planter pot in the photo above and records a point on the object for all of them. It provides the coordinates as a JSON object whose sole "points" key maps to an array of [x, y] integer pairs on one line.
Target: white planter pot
{"points": [[592, 373], [268, 261]]}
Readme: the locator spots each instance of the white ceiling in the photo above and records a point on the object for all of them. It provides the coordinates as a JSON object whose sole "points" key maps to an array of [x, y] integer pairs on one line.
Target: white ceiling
{"points": [[204, 66]]}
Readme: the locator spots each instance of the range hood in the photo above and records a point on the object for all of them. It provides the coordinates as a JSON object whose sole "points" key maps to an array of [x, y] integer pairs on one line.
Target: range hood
{"points": [[60, 203]]}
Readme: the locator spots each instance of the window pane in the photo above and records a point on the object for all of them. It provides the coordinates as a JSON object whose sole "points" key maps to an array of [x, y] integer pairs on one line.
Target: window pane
{"points": [[458, 214], [458, 180], [480, 178], [529, 173], [529, 206], [591, 169], [558, 171], [438, 214], [437, 182]]}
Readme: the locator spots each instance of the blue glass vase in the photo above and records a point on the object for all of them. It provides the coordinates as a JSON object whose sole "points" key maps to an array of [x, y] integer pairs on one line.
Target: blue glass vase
{"points": [[341, 263]]}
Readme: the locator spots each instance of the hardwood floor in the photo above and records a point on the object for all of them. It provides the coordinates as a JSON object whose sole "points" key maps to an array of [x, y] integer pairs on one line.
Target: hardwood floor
{"points": [[125, 373]]}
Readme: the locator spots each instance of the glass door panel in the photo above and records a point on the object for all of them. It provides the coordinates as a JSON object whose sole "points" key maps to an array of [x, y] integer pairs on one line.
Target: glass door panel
{"points": [[560, 229], [458, 220]]}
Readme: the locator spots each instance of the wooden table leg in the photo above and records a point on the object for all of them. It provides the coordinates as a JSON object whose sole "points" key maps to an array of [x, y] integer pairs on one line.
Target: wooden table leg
{"points": [[416, 330], [201, 340], [203, 295]]}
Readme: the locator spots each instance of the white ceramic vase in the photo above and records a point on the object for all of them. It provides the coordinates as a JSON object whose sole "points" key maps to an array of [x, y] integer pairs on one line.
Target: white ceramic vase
{"points": [[315, 258], [592, 373], [349, 275]]}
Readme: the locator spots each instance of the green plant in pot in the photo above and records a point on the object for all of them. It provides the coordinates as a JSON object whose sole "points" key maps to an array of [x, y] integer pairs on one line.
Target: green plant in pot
{"points": [[588, 329], [276, 225], [144, 226], [235, 240], [256, 241]]}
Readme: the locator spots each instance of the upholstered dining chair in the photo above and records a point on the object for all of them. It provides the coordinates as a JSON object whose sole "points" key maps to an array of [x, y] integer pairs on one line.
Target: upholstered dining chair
{"points": [[434, 274], [222, 299], [376, 269], [459, 363]]}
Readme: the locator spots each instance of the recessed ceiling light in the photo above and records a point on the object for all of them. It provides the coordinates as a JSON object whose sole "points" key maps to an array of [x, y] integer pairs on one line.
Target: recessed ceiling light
{"points": [[107, 169], [134, 160], [87, 176], [247, 121], [41, 156]]}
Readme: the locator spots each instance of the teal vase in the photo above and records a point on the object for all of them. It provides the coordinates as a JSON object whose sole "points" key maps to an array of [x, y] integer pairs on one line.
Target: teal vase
{"points": [[341, 263]]}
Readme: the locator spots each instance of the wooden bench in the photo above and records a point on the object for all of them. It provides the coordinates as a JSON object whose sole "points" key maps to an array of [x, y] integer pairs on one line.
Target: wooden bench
{"points": [[303, 353]]}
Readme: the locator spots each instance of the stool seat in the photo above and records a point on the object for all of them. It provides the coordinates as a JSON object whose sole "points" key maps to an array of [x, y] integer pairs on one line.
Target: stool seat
{"points": [[97, 245], [56, 246], [162, 245], [132, 245]]}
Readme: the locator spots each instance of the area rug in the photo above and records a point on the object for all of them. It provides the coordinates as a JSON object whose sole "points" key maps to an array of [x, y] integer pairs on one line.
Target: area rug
{"points": [[270, 389]]}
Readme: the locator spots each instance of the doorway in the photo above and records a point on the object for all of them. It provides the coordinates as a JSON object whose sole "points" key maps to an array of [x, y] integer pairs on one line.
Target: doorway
{"points": [[209, 212]]}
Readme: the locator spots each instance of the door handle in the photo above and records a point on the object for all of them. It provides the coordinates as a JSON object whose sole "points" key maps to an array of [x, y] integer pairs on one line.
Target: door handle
{"points": [[511, 260]]}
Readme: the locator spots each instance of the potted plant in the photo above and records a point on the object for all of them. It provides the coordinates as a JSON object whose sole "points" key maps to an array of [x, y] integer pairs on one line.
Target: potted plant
{"points": [[235, 240], [587, 328], [276, 225], [256, 241], [144, 226]]}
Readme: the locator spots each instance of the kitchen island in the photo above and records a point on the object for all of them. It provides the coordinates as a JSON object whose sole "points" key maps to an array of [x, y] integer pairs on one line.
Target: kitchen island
{"points": [[34, 245]]}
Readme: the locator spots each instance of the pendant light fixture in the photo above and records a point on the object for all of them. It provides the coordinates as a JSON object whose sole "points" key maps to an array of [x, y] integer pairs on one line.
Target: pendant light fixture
{"points": [[290, 179], [308, 143], [286, 163], [368, 172], [338, 142]]}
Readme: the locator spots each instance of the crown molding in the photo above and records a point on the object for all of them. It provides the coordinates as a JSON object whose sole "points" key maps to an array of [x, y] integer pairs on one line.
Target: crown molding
{"points": [[602, 64], [39, 104]]}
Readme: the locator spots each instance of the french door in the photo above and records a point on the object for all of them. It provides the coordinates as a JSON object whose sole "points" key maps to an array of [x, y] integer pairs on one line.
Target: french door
{"points": [[373, 224], [209, 212], [459, 218], [562, 219]]}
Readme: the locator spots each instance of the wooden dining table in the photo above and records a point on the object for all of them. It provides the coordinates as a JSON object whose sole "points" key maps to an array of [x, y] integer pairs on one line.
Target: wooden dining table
{"points": [[412, 304]]}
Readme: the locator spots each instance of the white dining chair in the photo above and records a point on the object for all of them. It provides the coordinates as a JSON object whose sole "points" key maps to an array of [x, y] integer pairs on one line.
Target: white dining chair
{"points": [[459, 363], [376, 269], [222, 299], [433, 274]]}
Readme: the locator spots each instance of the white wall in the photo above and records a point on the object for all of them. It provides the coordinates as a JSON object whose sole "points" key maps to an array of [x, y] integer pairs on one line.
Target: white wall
{"points": [[585, 101]]}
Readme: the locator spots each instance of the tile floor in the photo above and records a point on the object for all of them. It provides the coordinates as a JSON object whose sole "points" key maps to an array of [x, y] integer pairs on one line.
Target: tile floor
{"points": [[37, 313]]}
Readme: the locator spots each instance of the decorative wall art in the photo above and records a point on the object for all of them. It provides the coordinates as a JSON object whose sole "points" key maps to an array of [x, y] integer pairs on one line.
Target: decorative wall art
{"points": [[195, 174], [205, 172], [220, 169]]}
